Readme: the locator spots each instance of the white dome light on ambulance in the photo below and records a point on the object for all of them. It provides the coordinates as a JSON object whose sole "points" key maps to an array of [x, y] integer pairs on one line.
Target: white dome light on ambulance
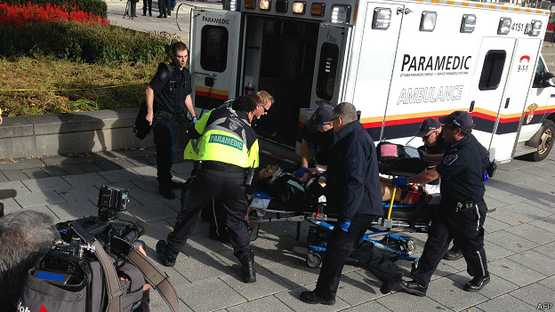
{"points": [[428, 21], [504, 25], [468, 23], [535, 28], [381, 19], [265, 5], [340, 13], [298, 7]]}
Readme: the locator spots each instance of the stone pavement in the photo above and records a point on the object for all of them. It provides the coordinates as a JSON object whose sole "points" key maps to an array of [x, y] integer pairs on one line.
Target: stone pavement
{"points": [[520, 241]]}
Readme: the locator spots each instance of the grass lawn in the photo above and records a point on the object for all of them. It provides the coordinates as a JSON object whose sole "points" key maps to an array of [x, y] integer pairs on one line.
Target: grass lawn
{"points": [[54, 85]]}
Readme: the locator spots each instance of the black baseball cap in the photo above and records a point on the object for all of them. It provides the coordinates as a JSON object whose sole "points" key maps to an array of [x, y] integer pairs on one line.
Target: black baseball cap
{"points": [[459, 119], [322, 115], [428, 125]]}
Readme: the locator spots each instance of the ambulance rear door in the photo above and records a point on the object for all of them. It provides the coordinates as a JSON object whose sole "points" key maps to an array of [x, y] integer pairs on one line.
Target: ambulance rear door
{"points": [[330, 68], [215, 49]]}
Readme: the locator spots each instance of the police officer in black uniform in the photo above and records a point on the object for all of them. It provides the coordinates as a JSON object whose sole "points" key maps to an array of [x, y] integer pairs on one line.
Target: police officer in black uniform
{"points": [[167, 96], [463, 210]]}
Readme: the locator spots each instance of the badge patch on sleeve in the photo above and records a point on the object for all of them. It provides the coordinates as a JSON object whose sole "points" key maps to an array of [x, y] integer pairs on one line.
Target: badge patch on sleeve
{"points": [[448, 160]]}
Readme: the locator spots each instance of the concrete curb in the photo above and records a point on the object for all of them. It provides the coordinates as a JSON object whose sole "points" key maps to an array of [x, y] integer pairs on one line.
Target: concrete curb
{"points": [[56, 134]]}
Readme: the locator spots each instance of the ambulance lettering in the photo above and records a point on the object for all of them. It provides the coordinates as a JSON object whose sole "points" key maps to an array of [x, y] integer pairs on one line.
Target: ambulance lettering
{"points": [[215, 20], [435, 63]]}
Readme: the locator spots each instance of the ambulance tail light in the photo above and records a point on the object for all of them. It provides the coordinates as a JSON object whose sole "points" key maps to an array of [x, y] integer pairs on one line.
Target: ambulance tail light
{"points": [[265, 5], [317, 9], [428, 21], [298, 7], [504, 26], [381, 19], [535, 28], [250, 4], [340, 14], [468, 23]]}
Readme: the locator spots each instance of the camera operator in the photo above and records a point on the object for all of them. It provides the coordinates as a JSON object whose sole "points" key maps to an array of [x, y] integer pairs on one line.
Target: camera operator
{"points": [[24, 236]]}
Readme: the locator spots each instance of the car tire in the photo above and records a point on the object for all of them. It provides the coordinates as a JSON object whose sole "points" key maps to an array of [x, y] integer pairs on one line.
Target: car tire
{"points": [[546, 141]]}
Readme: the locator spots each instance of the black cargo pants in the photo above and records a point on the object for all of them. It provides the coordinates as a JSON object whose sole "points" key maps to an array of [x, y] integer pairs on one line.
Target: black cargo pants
{"points": [[462, 223], [225, 187]]}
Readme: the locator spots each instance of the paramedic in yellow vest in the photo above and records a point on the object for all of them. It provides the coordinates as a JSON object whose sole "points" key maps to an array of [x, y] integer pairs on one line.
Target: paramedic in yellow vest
{"points": [[226, 151]]}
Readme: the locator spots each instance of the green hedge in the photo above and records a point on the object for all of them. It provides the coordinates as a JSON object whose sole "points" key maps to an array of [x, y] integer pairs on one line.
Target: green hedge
{"points": [[96, 7], [82, 42]]}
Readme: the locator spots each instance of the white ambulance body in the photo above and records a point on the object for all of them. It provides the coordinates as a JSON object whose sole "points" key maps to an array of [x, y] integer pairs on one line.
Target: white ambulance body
{"points": [[398, 62]]}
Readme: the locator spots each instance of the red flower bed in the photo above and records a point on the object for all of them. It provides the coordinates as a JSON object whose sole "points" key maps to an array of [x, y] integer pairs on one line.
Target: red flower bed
{"points": [[27, 13]]}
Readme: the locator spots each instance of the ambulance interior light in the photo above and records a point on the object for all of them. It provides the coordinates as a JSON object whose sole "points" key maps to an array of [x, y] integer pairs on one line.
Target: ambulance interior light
{"points": [[317, 9], [536, 28], [298, 7], [265, 5], [250, 4], [468, 23], [504, 26], [340, 13], [428, 21], [381, 19]]}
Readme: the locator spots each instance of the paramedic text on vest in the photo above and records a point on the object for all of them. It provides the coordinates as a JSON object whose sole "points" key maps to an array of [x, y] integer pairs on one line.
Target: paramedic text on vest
{"points": [[227, 149], [167, 96], [462, 211]]}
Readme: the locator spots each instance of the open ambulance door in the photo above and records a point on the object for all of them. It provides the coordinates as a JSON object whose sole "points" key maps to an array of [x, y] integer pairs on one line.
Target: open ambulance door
{"points": [[493, 66], [214, 40], [331, 55]]}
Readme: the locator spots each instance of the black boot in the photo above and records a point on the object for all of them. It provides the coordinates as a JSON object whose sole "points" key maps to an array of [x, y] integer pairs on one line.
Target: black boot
{"points": [[248, 273], [477, 283], [311, 297], [164, 254], [413, 287]]}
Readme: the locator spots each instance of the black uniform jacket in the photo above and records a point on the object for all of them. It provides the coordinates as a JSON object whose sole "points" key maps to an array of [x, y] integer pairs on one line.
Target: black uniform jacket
{"points": [[352, 175]]}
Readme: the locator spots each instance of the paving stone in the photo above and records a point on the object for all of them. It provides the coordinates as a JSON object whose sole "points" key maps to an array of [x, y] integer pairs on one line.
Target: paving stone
{"points": [[449, 293], [15, 175], [46, 184], [534, 294], [197, 266], [497, 285], [148, 171], [494, 203], [157, 304], [402, 302], [35, 173], [10, 205], [547, 250], [267, 304], [38, 198], [510, 241], [505, 303], [296, 274], [493, 225], [74, 210], [3, 178], [548, 282], [514, 272], [369, 306], [209, 295], [55, 171], [494, 252], [15, 185], [84, 180], [266, 284], [21, 164], [291, 299], [536, 262], [356, 288], [546, 224], [121, 175], [533, 233]]}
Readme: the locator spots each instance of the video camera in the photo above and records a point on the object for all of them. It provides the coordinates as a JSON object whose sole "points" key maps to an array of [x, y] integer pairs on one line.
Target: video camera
{"points": [[76, 237]]}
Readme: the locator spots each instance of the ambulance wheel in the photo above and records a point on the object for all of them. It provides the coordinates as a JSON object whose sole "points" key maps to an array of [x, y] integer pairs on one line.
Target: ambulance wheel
{"points": [[313, 260], [546, 141]]}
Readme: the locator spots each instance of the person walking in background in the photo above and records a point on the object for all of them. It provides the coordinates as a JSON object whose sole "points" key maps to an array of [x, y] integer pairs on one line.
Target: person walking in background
{"points": [[147, 4]]}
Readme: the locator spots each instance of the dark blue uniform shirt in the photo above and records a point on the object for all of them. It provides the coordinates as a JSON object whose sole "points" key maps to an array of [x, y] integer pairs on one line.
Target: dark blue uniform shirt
{"points": [[461, 172], [171, 86]]}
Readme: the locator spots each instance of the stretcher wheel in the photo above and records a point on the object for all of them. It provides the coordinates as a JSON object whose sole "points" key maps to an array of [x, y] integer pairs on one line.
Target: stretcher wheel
{"points": [[313, 260]]}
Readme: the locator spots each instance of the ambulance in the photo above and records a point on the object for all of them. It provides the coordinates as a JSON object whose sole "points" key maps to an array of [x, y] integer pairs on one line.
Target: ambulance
{"points": [[398, 62]]}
